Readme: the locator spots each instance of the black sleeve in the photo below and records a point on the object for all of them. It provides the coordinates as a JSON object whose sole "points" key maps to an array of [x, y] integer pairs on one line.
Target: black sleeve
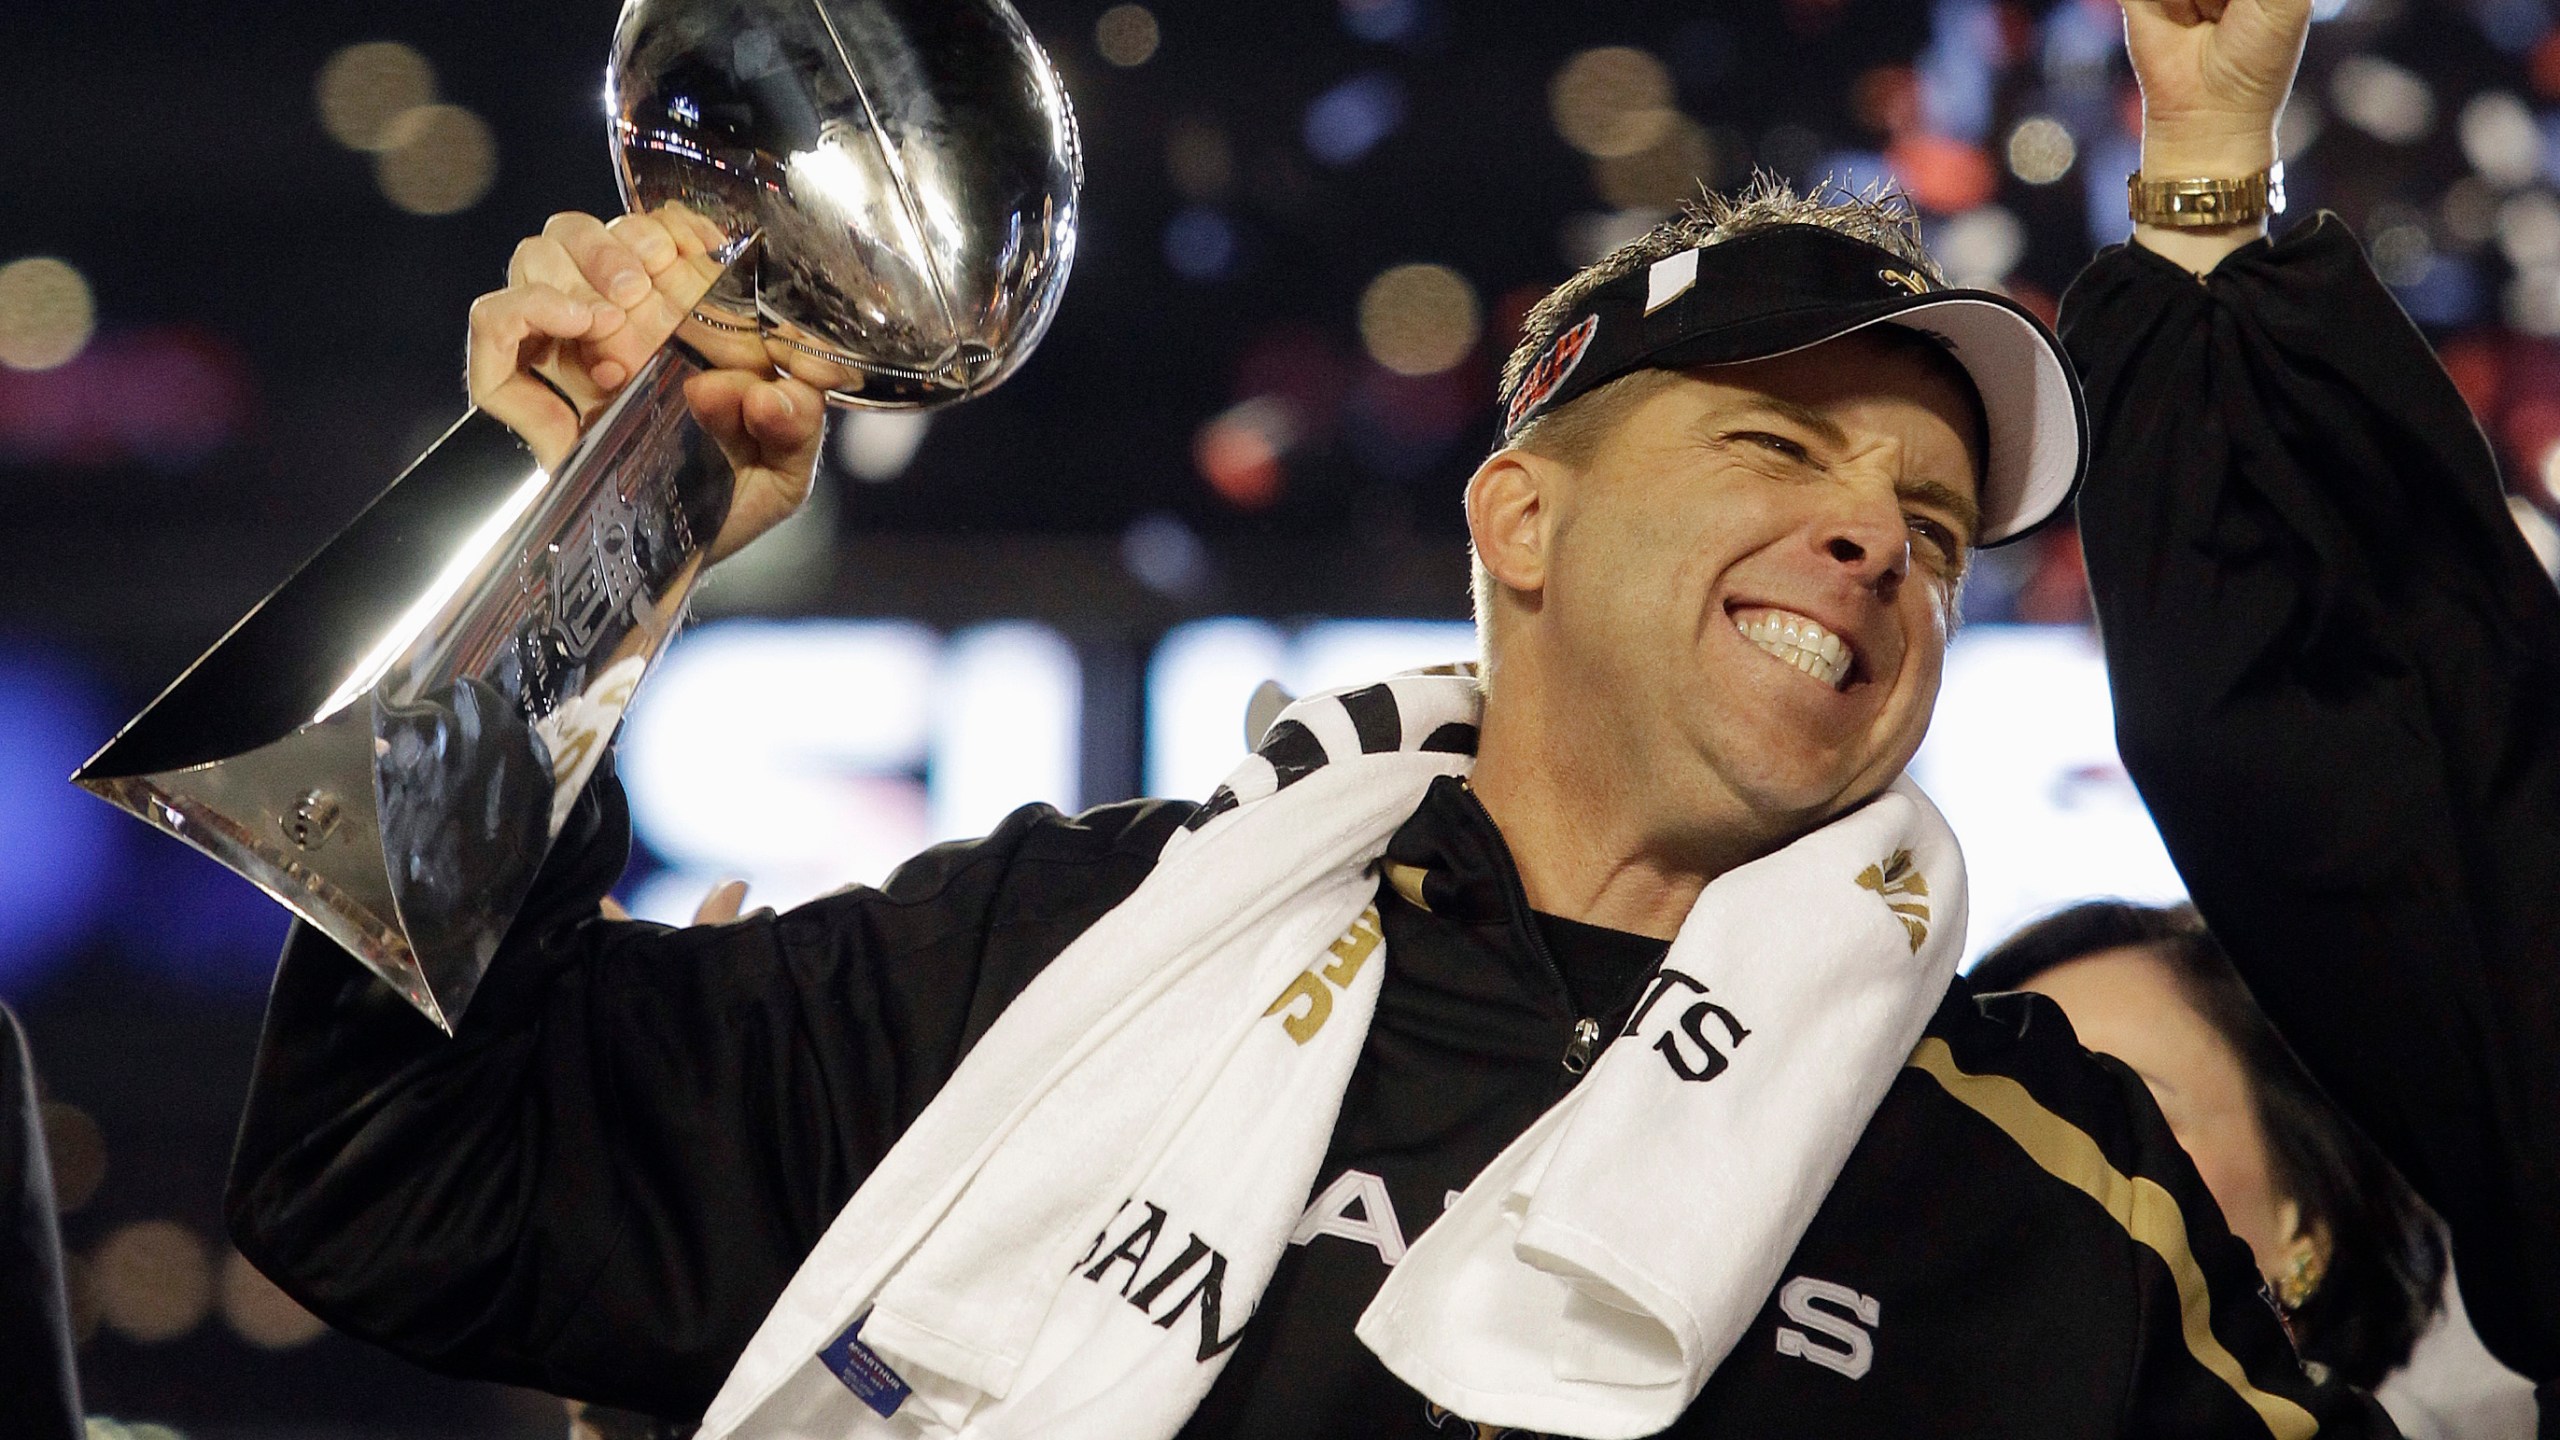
{"points": [[2337, 684], [2204, 1351], [2211, 1358], [38, 1387], [598, 1186]]}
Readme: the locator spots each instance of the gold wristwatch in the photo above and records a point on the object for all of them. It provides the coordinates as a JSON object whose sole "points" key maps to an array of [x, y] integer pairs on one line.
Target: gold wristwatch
{"points": [[2197, 204]]}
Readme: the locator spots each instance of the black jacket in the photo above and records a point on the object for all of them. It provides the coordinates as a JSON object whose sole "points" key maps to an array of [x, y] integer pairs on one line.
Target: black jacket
{"points": [[2337, 679], [600, 1185]]}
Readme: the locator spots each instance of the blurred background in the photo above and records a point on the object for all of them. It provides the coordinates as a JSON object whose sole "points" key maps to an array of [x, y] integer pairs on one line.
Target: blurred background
{"points": [[238, 242]]}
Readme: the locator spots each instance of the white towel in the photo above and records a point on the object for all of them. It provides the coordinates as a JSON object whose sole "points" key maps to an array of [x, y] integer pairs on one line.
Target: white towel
{"points": [[1068, 1240], [1594, 1275], [1172, 1057]]}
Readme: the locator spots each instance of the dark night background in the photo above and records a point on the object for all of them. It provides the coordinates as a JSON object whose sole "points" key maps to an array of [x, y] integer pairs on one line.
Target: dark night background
{"points": [[274, 339]]}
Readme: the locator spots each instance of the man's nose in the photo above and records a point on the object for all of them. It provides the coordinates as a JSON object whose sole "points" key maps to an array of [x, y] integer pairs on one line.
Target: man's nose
{"points": [[1872, 543]]}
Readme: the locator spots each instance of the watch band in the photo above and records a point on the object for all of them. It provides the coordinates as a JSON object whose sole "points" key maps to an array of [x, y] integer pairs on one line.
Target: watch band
{"points": [[2199, 203]]}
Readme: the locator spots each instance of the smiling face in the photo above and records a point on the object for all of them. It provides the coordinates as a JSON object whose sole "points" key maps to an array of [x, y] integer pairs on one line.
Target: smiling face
{"points": [[1747, 586]]}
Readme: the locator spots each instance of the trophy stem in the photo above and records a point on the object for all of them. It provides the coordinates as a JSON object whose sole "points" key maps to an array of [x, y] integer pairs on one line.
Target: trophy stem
{"points": [[389, 743]]}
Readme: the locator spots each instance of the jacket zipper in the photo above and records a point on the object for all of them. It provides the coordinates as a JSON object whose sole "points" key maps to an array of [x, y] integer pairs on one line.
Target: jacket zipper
{"points": [[1586, 1029], [1577, 1055]]}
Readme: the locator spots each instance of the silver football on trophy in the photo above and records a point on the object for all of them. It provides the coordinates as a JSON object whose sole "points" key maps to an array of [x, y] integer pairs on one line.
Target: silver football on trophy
{"points": [[911, 167], [392, 740]]}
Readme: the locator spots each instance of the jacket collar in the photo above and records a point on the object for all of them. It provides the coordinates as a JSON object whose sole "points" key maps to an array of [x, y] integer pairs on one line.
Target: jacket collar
{"points": [[1450, 859]]}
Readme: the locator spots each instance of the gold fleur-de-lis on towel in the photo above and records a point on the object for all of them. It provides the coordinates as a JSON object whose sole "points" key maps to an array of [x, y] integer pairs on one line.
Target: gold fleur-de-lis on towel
{"points": [[1898, 876]]}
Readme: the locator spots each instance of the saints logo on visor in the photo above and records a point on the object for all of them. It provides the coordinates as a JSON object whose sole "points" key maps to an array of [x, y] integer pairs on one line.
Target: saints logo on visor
{"points": [[1551, 371]]}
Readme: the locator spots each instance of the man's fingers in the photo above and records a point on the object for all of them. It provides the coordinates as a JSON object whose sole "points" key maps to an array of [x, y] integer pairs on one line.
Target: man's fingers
{"points": [[529, 408], [606, 262], [769, 429], [541, 260], [723, 903], [611, 909], [503, 321], [718, 399], [693, 232], [647, 237], [783, 415], [510, 326]]}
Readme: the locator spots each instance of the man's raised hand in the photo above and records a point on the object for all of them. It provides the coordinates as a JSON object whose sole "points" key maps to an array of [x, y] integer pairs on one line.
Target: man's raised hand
{"points": [[2215, 74], [586, 304]]}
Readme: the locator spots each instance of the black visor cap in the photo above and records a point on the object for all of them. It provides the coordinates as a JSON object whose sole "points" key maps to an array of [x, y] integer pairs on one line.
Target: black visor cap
{"points": [[1788, 287]]}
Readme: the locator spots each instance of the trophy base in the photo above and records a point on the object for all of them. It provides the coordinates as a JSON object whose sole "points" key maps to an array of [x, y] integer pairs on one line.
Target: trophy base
{"points": [[320, 862]]}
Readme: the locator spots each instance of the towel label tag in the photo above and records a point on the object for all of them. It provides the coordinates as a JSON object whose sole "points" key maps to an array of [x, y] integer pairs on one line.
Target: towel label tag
{"points": [[864, 1373]]}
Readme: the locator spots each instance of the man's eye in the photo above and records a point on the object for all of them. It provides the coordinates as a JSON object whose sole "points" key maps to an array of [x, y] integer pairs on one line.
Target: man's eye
{"points": [[1779, 443], [1940, 536]]}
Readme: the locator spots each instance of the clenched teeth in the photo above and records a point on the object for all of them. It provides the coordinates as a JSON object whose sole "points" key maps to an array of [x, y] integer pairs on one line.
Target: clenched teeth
{"points": [[1797, 641]]}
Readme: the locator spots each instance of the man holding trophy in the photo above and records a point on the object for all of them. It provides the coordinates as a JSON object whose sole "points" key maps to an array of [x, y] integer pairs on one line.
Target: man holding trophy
{"points": [[1567, 1046]]}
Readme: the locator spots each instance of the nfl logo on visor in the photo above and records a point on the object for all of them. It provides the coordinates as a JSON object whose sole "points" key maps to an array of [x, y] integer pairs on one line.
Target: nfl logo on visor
{"points": [[1552, 370]]}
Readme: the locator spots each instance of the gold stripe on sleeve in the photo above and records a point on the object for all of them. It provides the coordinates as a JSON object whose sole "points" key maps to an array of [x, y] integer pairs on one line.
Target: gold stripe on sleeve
{"points": [[2147, 1212], [1407, 880]]}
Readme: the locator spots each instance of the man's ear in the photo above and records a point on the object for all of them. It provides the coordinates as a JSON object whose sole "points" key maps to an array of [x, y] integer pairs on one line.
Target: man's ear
{"points": [[1510, 511]]}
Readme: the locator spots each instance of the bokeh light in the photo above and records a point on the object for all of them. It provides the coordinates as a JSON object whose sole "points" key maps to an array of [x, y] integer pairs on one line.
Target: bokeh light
{"points": [[1420, 319], [1348, 120], [1381, 21], [1164, 555], [1662, 174], [2529, 229], [260, 1313], [438, 160], [1886, 99], [2532, 301], [364, 89], [1127, 35], [2382, 99], [154, 1281], [2041, 150], [1239, 451], [108, 1427], [1614, 100], [2398, 245], [76, 1151], [1979, 247], [2469, 211], [1942, 173], [1200, 243], [165, 395], [877, 445], [2500, 138], [46, 313]]}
